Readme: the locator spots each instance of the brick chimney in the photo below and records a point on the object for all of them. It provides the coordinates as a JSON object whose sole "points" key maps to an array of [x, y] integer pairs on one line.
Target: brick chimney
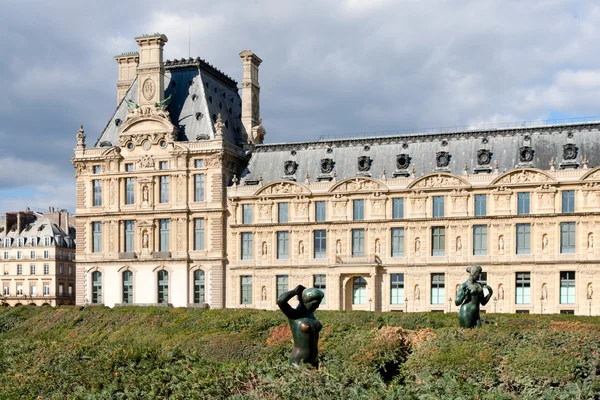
{"points": [[128, 63], [250, 91], [150, 69]]}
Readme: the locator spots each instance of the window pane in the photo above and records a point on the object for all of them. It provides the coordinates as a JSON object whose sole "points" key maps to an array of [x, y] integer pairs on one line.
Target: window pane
{"points": [[397, 289], [96, 287], [567, 287], [282, 284], [164, 244], [246, 289], [320, 282], [479, 240], [359, 291], [199, 187], [247, 214], [523, 287], [164, 189], [97, 184], [480, 205], [358, 242], [320, 244], [129, 236], [129, 191], [283, 213], [199, 296], [358, 210], [128, 287], [163, 286], [97, 237], [398, 208], [438, 241], [568, 201], [567, 237], [199, 234], [437, 289], [246, 245], [320, 213], [523, 238], [523, 203], [397, 242], [283, 240]]}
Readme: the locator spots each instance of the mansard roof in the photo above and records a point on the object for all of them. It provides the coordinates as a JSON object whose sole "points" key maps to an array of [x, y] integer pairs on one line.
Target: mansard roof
{"points": [[200, 92], [40, 228], [427, 153]]}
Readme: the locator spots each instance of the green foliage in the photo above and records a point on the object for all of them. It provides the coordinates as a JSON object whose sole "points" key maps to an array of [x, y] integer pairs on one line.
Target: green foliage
{"points": [[156, 352]]}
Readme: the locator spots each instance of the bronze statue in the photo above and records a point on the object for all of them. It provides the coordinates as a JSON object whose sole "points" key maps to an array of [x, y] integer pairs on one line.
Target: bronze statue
{"points": [[470, 295], [305, 327]]}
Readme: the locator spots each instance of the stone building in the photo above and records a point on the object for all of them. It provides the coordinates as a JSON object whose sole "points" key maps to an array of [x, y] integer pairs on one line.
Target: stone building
{"points": [[390, 223], [151, 191], [37, 258]]}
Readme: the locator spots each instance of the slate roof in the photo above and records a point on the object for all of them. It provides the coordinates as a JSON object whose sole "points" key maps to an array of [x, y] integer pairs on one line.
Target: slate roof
{"points": [[547, 142], [200, 92], [40, 228]]}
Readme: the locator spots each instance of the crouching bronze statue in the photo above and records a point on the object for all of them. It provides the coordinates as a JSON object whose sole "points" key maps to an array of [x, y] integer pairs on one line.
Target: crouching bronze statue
{"points": [[305, 327], [470, 295]]}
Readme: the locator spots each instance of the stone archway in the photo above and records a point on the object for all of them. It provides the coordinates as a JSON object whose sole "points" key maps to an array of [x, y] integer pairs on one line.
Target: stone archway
{"points": [[357, 293]]}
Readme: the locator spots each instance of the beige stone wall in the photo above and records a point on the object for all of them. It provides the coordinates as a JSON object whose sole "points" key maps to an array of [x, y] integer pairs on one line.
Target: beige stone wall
{"points": [[501, 263]]}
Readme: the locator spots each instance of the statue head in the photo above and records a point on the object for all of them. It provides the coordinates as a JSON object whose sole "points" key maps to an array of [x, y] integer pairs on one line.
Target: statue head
{"points": [[312, 298], [474, 271]]}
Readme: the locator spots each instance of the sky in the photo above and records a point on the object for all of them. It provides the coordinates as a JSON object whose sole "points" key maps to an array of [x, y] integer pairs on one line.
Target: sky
{"points": [[329, 68]]}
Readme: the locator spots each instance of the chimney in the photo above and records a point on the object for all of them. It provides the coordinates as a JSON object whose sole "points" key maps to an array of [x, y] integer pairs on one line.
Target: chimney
{"points": [[20, 222], [128, 63], [250, 91], [150, 69]]}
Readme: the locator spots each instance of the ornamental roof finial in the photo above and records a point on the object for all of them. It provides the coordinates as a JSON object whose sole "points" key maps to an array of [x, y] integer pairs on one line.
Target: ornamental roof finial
{"points": [[81, 138]]}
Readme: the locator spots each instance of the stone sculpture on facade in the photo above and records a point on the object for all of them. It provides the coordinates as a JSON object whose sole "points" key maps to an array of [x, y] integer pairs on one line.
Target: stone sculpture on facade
{"points": [[81, 138], [303, 324], [470, 296]]}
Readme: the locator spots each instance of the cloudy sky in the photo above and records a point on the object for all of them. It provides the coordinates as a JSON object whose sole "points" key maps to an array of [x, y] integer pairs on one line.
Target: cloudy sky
{"points": [[329, 67]]}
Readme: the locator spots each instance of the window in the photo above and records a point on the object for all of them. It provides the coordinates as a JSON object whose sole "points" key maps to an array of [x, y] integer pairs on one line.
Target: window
{"points": [[358, 242], [70, 270], [32, 270], [483, 281], [523, 284], [96, 287], [61, 289], [568, 201], [282, 284], [33, 241], [567, 237], [20, 242], [6, 255], [246, 289], [320, 244], [129, 236], [6, 290], [19, 269], [479, 240], [523, 203], [480, 205], [33, 290], [358, 207], [70, 290], [320, 282], [398, 208], [438, 289], [7, 242], [96, 237], [199, 187], [163, 165], [19, 289], [283, 213], [567, 287], [246, 214], [47, 241], [19, 255], [97, 169], [359, 291], [46, 269], [46, 289], [127, 287], [129, 190], [438, 241], [32, 255], [164, 244], [61, 269], [438, 206], [283, 240], [246, 245], [46, 254], [320, 211], [163, 286], [523, 238], [397, 289], [199, 163], [164, 189], [128, 167], [199, 286], [397, 242], [97, 185], [199, 234]]}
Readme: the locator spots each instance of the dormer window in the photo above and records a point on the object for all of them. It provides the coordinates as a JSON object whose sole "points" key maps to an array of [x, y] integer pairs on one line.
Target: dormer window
{"points": [[19, 242], [7, 242], [33, 241], [47, 241]]}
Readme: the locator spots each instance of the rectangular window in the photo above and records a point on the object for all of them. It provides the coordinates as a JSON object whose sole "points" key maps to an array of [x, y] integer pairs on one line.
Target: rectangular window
{"points": [[19, 289], [320, 244], [438, 206], [246, 289], [358, 242], [46, 269], [32, 269], [397, 289], [479, 240], [6, 290], [199, 234], [33, 290], [283, 242], [397, 242], [129, 236], [199, 187], [483, 281], [567, 237], [480, 205], [282, 212], [32, 255], [246, 213], [163, 165], [523, 286], [282, 284], [567, 287], [523, 238], [320, 282], [46, 289], [97, 185], [96, 237], [129, 167], [199, 163], [70, 270], [568, 201], [164, 189], [97, 169], [437, 289], [246, 245], [6, 255], [398, 208], [129, 190], [523, 203], [358, 208], [61, 269], [320, 211], [19, 269], [164, 244], [46, 254], [438, 241], [19, 255]]}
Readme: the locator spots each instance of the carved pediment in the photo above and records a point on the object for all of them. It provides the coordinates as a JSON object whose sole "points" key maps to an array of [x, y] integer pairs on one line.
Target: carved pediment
{"points": [[282, 189], [439, 180], [593, 175], [524, 175], [358, 185]]}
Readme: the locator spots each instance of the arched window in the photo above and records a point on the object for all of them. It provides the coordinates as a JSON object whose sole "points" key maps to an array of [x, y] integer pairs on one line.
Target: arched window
{"points": [[163, 286], [199, 286], [96, 287], [127, 287], [359, 291]]}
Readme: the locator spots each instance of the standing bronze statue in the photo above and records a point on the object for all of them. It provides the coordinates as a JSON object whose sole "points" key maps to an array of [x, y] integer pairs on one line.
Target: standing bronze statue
{"points": [[305, 327], [470, 295]]}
